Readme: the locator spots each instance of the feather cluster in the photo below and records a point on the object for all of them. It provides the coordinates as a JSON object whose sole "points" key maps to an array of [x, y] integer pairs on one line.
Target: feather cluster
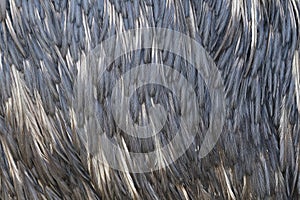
{"points": [[253, 43]]}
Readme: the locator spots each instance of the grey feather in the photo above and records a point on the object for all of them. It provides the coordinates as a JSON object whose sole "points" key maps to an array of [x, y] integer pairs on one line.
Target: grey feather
{"points": [[45, 90]]}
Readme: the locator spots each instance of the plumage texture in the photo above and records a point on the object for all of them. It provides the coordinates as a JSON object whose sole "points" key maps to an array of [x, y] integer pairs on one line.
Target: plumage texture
{"points": [[254, 44]]}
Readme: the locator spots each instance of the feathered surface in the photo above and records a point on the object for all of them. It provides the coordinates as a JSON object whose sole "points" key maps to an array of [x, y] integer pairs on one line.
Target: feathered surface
{"points": [[254, 44]]}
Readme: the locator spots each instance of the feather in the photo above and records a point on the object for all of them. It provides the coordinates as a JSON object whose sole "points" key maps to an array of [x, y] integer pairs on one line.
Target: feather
{"points": [[2, 9], [56, 100], [296, 76]]}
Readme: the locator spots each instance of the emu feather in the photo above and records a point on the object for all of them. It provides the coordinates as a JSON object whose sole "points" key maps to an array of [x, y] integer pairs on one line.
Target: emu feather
{"points": [[49, 98]]}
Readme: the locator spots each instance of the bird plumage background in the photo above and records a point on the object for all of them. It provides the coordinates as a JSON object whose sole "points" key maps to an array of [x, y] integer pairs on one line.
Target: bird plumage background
{"points": [[254, 44]]}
